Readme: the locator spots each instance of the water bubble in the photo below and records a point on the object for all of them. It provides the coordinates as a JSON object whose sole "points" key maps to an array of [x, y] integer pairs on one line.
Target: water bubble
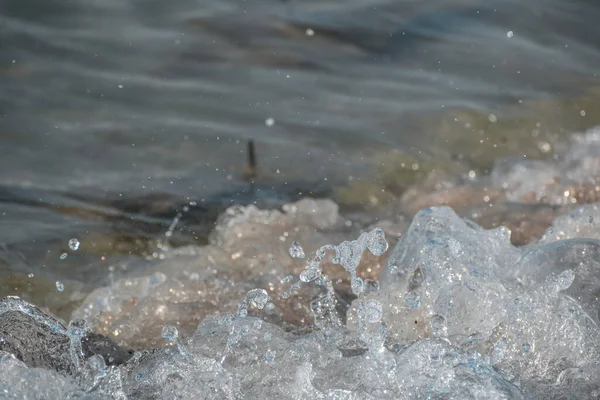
{"points": [[509, 34], [309, 274], [526, 348], [256, 297], [310, 32], [269, 122], [74, 244], [296, 251], [591, 219], [357, 286], [412, 299], [565, 279], [582, 113], [372, 311], [169, 332], [492, 118], [31, 275], [377, 243], [393, 265], [60, 286], [288, 279], [438, 325], [63, 256], [270, 355]]}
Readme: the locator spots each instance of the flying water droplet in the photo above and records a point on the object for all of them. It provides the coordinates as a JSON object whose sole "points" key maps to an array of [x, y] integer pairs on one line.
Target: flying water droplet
{"points": [[63, 256], [357, 286], [170, 333], [296, 251], [59, 286], [309, 274], [412, 299], [255, 297], [393, 265], [565, 279], [438, 325], [74, 244], [377, 243], [373, 311]]}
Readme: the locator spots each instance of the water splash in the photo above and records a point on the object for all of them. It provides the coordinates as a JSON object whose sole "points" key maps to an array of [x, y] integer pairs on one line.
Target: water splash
{"points": [[170, 333], [239, 325]]}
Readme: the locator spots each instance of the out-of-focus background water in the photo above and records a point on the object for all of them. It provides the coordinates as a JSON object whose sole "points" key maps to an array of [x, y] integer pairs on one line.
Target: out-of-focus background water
{"points": [[115, 114]]}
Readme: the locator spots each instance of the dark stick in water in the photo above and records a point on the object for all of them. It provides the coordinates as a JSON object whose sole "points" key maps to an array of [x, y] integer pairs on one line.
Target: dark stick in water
{"points": [[250, 171]]}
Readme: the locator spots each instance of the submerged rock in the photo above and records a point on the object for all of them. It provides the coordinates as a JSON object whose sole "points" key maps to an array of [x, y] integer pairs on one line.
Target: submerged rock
{"points": [[39, 340]]}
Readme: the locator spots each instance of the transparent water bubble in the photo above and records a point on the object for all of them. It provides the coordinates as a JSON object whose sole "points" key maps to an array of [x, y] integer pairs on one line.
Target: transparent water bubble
{"points": [[256, 297], [59, 286], [357, 286], [412, 299], [372, 311], [393, 265], [509, 34], [287, 279], [63, 256], [438, 325], [270, 355], [526, 348], [74, 244], [169, 332], [565, 279], [377, 243], [97, 365], [309, 274], [296, 251]]}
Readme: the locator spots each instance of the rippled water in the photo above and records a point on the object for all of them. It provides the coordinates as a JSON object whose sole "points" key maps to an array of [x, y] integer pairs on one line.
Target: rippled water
{"points": [[125, 125]]}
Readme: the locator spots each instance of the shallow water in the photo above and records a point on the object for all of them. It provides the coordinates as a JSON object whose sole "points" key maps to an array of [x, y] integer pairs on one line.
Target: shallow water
{"points": [[115, 115]]}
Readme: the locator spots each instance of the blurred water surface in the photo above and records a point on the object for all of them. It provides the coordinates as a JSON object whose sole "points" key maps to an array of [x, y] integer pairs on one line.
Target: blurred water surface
{"points": [[116, 113]]}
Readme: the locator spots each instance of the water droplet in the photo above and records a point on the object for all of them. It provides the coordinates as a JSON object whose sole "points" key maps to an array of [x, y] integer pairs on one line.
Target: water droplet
{"points": [[60, 286], [412, 299], [393, 265], [74, 244], [296, 251], [256, 297], [565, 279], [31, 275], [269, 122], [357, 286], [377, 243], [372, 311], [438, 325], [169, 332], [63, 256], [582, 113], [492, 118], [270, 355], [309, 274], [310, 32], [526, 348], [591, 219], [509, 34]]}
